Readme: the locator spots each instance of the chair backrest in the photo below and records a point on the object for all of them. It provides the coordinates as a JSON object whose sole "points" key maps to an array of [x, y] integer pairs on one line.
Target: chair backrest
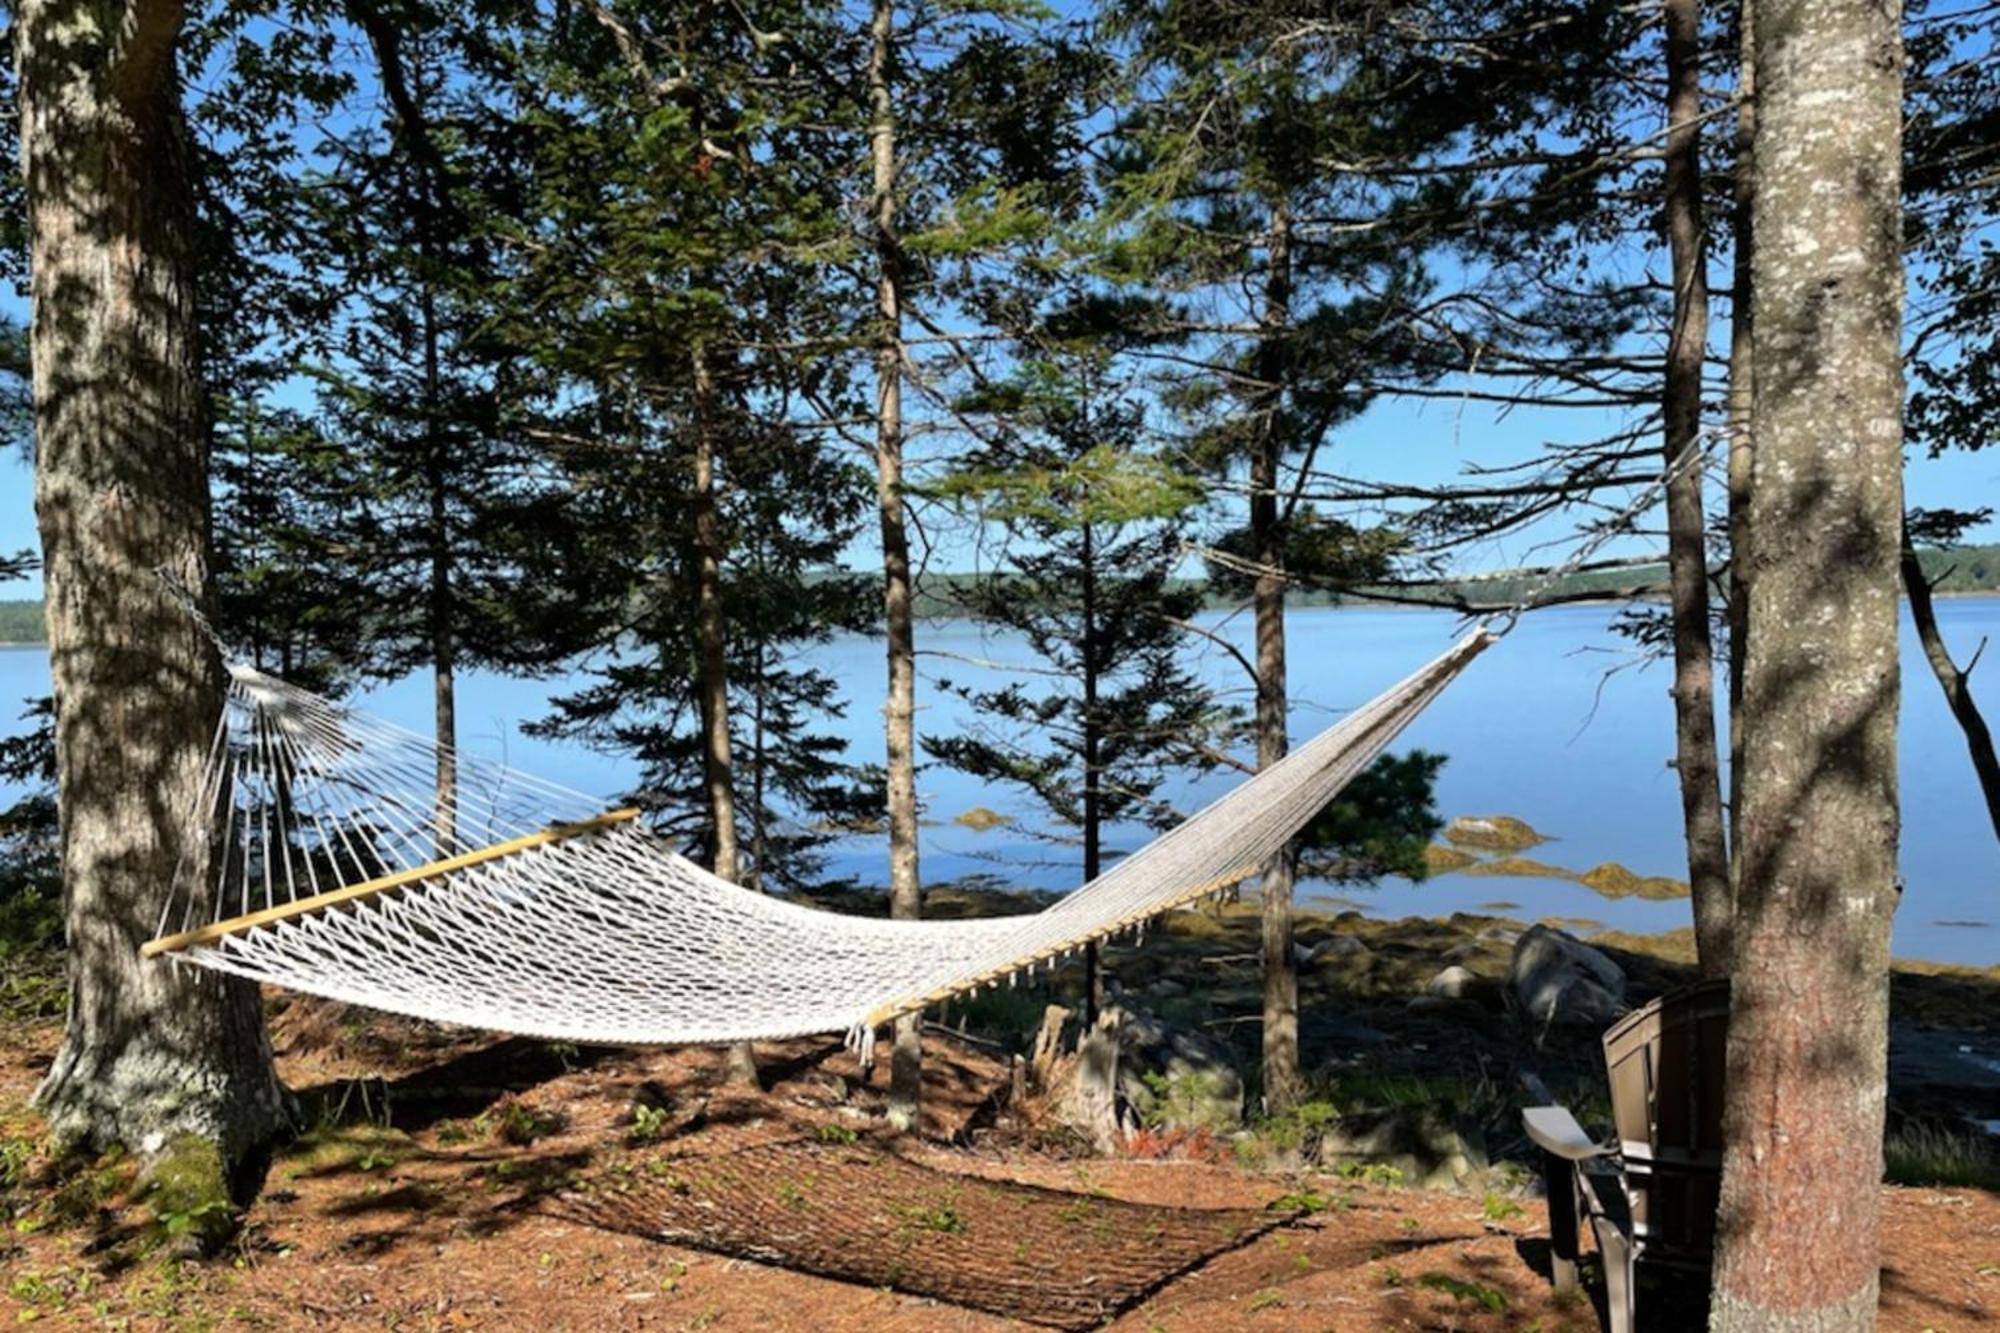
{"points": [[1665, 1063]]}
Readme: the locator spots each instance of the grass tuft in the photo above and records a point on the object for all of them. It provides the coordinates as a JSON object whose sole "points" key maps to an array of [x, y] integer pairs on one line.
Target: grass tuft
{"points": [[1923, 1152]]}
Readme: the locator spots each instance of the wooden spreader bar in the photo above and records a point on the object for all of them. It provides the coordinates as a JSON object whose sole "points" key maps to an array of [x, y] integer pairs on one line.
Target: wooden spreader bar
{"points": [[302, 906]]}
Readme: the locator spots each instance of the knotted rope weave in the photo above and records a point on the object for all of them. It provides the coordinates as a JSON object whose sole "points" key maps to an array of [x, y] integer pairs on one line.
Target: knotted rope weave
{"points": [[335, 868]]}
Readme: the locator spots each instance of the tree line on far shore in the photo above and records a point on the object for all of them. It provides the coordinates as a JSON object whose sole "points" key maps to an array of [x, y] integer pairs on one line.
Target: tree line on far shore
{"points": [[1955, 570]]}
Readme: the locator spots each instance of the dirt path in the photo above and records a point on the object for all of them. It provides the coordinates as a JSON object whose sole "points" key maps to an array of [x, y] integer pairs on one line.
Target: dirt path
{"points": [[458, 1183]]}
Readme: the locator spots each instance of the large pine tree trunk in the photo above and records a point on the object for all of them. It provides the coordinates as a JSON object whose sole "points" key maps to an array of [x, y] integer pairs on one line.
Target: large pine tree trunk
{"points": [[1801, 1188], [1284, 1084], [150, 1051], [443, 631], [1695, 757], [1093, 766], [900, 712], [1741, 456], [711, 656]]}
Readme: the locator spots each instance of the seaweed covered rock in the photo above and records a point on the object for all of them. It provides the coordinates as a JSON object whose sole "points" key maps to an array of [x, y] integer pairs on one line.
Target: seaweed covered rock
{"points": [[1558, 980], [1615, 881], [1440, 859], [1492, 833]]}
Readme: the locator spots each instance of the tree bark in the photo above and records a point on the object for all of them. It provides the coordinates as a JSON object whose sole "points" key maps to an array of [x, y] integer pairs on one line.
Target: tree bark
{"points": [[717, 765], [1283, 1082], [1742, 454], [899, 713], [150, 1052], [443, 632], [1695, 758], [1956, 684], [1801, 1189], [441, 606], [1093, 778]]}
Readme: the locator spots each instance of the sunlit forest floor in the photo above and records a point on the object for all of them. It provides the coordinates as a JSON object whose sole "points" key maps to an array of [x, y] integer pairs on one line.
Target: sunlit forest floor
{"points": [[449, 1180]]}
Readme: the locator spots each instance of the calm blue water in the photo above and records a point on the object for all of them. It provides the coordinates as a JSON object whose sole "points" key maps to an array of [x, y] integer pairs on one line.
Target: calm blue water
{"points": [[1558, 725]]}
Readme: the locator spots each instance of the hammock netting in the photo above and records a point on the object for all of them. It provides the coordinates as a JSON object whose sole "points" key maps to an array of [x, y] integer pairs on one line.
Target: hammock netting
{"points": [[336, 868], [857, 1214]]}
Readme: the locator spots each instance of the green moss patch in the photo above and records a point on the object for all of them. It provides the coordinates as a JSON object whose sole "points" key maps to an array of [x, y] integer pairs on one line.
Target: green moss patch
{"points": [[186, 1190], [333, 1149]]}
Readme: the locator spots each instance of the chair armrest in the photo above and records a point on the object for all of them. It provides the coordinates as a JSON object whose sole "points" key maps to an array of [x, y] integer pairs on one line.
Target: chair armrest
{"points": [[1554, 1130]]}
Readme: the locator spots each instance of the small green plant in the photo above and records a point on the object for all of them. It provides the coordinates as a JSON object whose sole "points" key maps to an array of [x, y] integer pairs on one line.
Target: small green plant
{"points": [[1267, 1298], [648, 1124], [15, 1152], [1249, 1152], [1072, 1214], [1466, 1293], [1410, 1225], [521, 1125], [1392, 1276], [1305, 1201], [1500, 1208], [839, 1134], [941, 1217], [1300, 1127], [1372, 1173], [33, 1289]]}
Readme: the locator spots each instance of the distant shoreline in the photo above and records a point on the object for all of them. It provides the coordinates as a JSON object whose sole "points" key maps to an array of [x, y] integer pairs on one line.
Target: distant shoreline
{"points": [[942, 616]]}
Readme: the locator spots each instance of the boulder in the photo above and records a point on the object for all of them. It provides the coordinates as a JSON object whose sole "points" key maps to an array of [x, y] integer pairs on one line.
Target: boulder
{"points": [[1333, 946], [1453, 983], [1177, 1079], [1558, 980], [1429, 1148]]}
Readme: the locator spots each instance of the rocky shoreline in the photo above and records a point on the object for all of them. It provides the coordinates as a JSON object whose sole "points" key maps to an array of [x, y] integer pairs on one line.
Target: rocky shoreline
{"points": [[1420, 1035]]}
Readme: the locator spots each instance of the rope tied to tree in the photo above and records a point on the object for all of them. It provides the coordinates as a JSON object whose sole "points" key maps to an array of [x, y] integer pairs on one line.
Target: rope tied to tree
{"points": [[1618, 525]]}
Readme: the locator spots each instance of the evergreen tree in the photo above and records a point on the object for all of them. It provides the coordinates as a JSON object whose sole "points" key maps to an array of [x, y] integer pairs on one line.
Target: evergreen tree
{"points": [[1095, 532], [675, 230], [441, 504], [1224, 189], [974, 119]]}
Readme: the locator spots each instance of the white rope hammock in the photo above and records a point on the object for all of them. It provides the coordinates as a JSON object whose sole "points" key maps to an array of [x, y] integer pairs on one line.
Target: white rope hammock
{"points": [[519, 906]]}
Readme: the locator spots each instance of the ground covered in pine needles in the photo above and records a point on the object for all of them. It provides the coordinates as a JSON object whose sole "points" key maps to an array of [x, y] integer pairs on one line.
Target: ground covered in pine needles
{"points": [[448, 1180]]}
